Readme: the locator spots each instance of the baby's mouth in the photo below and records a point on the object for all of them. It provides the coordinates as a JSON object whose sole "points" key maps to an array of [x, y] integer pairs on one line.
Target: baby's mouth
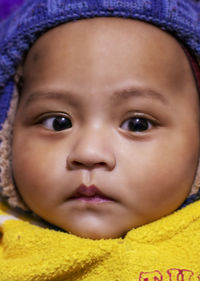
{"points": [[90, 194]]}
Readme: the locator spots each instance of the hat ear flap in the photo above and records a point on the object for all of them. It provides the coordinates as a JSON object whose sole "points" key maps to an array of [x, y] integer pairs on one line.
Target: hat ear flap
{"points": [[7, 186]]}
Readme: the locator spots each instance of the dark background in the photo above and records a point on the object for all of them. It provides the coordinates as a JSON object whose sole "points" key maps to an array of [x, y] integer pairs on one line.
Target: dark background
{"points": [[8, 6]]}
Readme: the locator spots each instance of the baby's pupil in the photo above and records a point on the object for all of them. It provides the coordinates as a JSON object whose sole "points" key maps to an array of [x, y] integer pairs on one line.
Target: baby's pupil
{"points": [[61, 123], [138, 124]]}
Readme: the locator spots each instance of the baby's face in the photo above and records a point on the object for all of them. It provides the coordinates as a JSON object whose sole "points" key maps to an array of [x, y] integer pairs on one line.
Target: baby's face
{"points": [[106, 136]]}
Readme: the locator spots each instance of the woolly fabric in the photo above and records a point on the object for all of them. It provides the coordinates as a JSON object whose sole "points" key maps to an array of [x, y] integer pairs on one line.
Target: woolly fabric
{"points": [[20, 31], [167, 249], [9, 191]]}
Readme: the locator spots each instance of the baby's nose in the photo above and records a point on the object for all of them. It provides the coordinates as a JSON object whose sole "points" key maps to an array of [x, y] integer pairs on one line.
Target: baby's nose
{"points": [[91, 149]]}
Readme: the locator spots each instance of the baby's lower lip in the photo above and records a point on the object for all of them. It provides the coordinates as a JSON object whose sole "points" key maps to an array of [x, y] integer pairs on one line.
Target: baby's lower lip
{"points": [[93, 199]]}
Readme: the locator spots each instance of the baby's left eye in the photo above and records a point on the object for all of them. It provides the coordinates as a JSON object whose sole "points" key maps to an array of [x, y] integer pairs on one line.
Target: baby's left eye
{"points": [[57, 123], [137, 124]]}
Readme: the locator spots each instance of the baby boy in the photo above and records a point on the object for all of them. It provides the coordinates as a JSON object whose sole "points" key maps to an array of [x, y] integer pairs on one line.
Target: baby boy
{"points": [[106, 133]]}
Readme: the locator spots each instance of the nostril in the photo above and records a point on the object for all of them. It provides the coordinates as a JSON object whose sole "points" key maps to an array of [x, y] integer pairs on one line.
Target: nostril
{"points": [[77, 163], [88, 164], [90, 160]]}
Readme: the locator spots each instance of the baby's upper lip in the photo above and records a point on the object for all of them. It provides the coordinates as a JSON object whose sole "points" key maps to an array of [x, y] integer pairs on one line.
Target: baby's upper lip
{"points": [[88, 191]]}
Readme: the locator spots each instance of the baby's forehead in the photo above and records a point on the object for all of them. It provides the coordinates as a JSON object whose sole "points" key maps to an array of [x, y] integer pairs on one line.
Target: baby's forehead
{"points": [[95, 49], [93, 36], [100, 29]]}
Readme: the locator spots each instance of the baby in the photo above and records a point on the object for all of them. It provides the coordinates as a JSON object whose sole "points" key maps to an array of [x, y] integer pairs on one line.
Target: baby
{"points": [[100, 137]]}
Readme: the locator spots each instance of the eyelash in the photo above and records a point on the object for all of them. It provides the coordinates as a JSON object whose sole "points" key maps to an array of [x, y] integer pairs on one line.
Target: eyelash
{"points": [[136, 124], [55, 120]]}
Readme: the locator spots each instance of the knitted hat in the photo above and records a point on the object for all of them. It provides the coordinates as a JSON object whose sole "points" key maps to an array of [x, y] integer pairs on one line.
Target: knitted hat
{"points": [[18, 32]]}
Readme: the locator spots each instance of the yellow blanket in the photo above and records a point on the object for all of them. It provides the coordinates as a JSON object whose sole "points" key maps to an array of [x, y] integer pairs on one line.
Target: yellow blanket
{"points": [[167, 250]]}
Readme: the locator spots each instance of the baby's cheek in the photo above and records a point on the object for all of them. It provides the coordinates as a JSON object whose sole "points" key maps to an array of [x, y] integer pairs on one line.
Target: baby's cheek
{"points": [[163, 175], [35, 168]]}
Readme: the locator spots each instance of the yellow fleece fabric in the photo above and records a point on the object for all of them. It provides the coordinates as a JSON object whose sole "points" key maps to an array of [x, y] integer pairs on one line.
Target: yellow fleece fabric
{"points": [[167, 249]]}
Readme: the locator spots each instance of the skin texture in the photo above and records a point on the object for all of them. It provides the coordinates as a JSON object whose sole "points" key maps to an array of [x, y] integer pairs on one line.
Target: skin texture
{"points": [[103, 74]]}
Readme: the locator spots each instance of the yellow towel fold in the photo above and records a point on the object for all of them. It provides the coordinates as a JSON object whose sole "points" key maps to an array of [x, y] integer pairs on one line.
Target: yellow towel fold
{"points": [[167, 249]]}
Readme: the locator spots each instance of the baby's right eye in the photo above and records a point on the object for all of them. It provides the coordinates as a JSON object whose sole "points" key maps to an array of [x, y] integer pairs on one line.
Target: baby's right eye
{"points": [[137, 124], [57, 123]]}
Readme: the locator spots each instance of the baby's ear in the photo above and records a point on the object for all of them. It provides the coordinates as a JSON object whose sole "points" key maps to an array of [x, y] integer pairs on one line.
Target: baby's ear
{"points": [[19, 78]]}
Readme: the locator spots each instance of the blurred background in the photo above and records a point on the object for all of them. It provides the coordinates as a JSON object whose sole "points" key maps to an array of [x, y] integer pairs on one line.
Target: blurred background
{"points": [[8, 6]]}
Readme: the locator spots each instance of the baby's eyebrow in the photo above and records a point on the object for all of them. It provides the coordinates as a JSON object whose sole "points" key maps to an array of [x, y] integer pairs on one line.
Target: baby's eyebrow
{"points": [[115, 97], [137, 92], [68, 97]]}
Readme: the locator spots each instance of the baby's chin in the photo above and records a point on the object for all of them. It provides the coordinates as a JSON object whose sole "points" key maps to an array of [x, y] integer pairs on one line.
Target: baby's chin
{"points": [[95, 232]]}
